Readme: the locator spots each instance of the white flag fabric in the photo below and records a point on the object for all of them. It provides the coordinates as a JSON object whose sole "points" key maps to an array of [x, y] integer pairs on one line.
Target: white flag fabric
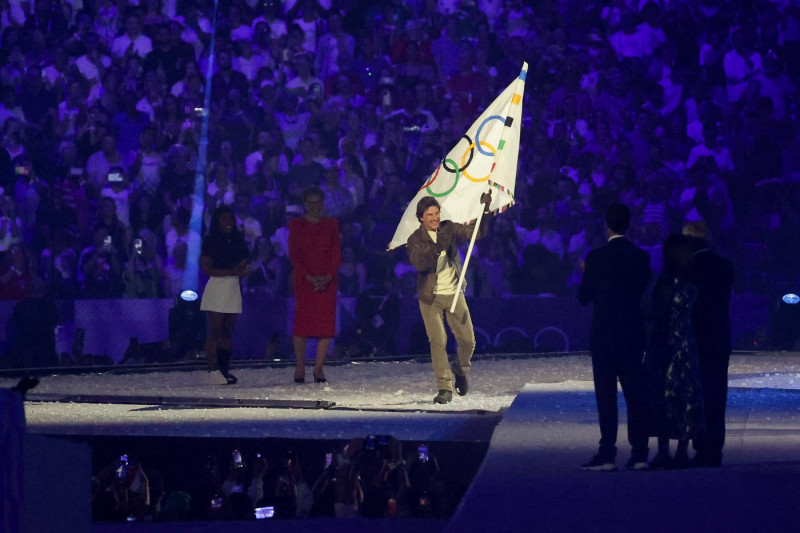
{"points": [[486, 156]]}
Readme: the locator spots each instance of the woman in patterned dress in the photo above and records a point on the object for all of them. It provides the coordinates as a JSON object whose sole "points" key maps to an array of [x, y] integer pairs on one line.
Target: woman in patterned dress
{"points": [[672, 357]]}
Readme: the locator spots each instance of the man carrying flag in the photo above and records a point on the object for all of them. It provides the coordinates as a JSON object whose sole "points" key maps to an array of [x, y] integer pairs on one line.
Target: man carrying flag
{"points": [[484, 159], [433, 251]]}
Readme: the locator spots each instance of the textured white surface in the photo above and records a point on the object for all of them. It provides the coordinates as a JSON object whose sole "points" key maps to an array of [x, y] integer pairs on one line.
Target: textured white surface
{"points": [[394, 396]]}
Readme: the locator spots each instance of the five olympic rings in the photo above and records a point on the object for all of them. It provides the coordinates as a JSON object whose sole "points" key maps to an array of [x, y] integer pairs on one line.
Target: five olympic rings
{"points": [[466, 159]]}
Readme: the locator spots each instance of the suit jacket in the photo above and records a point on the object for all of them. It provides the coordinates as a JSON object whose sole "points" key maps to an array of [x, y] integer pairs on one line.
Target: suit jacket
{"points": [[424, 253], [614, 281], [713, 275]]}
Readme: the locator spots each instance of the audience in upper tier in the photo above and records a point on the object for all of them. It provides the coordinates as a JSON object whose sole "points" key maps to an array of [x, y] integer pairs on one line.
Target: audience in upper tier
{"points": [[681, 110]]}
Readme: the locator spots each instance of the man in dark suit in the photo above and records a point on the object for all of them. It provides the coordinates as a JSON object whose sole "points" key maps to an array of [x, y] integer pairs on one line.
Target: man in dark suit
{"points": [[713, 276], [614, 280]]}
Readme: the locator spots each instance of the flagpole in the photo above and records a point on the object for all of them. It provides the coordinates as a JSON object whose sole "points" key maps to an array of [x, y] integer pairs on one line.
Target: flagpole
{"points": [[466, 258]]}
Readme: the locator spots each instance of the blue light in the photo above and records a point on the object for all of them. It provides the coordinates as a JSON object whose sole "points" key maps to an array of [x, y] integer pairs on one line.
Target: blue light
{"points": [[191, 274], [791, 298], [188, 295]]}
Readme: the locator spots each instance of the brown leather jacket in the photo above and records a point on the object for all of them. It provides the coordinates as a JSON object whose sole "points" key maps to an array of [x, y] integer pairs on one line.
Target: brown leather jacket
{"points": [[424, 253]]}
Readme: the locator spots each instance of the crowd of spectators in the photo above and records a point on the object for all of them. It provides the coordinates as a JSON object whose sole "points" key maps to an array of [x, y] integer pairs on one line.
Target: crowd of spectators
{"points": [[681, 110], [372, 477]]}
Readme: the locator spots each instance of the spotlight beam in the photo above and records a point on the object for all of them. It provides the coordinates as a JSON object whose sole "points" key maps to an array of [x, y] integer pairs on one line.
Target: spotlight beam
{"points": [[191, 274]]}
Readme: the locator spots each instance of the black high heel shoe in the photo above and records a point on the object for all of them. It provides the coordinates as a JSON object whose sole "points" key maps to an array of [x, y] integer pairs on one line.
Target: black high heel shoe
{"points": [[321, 379], [225, 365], [300, 380]]}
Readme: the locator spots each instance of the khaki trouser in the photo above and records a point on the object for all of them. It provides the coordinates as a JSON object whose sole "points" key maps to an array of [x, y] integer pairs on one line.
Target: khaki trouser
{"points": [[460, 324]]}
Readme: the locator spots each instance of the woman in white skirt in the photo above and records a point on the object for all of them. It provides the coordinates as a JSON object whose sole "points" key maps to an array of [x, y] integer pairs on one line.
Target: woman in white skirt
{"points": [[223, 258]]}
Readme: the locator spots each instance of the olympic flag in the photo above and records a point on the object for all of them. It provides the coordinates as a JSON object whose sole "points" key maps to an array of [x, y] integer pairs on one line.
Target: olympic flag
{"points": [[486, 156]]}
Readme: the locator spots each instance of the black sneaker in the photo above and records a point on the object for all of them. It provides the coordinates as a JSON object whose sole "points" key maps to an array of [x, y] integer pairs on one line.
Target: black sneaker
{"points": [[461, 383], [600, 464], [444, 396]]}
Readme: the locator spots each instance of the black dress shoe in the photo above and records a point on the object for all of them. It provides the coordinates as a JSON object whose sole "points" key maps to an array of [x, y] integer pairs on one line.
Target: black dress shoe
{"points": [[461, 383], [701, 461], [661, 461], [598, 463], [680, 461], [444, 396]]}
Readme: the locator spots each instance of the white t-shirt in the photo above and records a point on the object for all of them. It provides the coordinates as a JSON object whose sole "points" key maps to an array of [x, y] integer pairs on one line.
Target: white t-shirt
{"points": [[145, 106], [548, 238], [149, 177], [779, 89], [628, 45], [297, 82], [251, 229], [720, 154], [171, 239], [310, 32], [16, 12], [252, 160], [98, 165], [89, 70], [402, 268], [280, 241], [249, 67], [446, 275], [277, 28], [705, 51], [251, 163], [66, 113], [242, 33], [736, 67], [493, 9], [228, 194], [51, 74], [8, 239], [293, 127], [121, 200], [650, 37], [141, 45]]}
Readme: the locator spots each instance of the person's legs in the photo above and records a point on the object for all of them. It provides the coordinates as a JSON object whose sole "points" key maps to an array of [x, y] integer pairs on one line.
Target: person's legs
{"points": [[432, 317], [605, 393], [300, 357], [323, 343], [663, 459], [225, 346], [663, 445], [681, 459], [683, 448], [215, 326], [460, 323], [631, 379], [714, 380], [226, 335], [215, 354]]}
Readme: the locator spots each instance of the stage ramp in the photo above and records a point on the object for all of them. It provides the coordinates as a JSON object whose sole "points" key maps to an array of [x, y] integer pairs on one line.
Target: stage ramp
{"points": [[530, 479]]}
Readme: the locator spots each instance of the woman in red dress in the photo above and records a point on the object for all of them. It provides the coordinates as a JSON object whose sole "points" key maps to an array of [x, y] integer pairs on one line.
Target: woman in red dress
{"points": [[315, 252]]}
